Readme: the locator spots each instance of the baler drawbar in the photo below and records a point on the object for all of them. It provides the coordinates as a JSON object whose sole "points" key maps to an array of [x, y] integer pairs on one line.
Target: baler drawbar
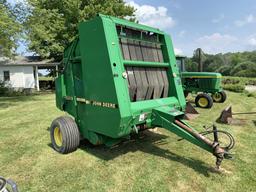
{"points": [[119, 78]]}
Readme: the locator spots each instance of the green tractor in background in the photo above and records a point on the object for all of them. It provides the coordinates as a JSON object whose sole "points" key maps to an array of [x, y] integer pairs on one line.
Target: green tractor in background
{"points": [[206, 85]]}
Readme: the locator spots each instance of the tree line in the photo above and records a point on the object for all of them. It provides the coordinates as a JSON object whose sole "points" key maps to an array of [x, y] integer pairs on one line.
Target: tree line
{"points": [[49, 26], [241, 64]]}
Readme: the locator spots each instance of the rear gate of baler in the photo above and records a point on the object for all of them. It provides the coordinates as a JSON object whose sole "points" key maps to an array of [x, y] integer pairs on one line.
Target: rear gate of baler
{"points": [[144, 82]]}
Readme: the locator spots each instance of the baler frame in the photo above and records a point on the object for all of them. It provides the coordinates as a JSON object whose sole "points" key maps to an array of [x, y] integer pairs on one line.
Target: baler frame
{"points": [[96, 87]]}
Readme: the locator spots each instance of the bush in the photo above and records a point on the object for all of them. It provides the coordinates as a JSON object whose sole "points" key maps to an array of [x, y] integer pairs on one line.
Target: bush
{"points": [[7, 91], [230, 81], [239, 88], [251, 82], [252, 94], [3, 88]]}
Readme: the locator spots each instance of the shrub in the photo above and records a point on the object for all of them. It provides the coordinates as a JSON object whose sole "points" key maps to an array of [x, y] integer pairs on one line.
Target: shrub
{"points": [[239, 88], [230, 81], [252, 94], [6, 90], [251, 82], [3, 88]]}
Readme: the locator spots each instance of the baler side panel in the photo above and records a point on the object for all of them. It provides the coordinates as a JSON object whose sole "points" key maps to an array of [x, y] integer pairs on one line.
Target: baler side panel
{"points": [[99, 89], [70, 99], [60, 91], [115, 57]]}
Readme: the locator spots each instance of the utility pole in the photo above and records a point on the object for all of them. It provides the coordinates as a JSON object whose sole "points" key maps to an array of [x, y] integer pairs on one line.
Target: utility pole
{"points": [[200, 63]]}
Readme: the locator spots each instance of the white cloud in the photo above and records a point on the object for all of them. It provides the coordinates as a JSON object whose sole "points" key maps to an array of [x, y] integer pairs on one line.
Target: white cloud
{"points": [[153, 16], [182, 33], [218, 19], [217, 43], [178, 51], [251, 40], [247, 20]]}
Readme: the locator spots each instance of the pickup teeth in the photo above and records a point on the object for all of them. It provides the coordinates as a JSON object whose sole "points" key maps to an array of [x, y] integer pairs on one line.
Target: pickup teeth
{"points": [[147, 83]]}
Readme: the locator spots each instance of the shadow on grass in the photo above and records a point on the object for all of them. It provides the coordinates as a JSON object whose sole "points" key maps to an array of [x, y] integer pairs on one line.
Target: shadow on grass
{"points": [[5, 105], [15, 99], [147, 142], [6, 102]]}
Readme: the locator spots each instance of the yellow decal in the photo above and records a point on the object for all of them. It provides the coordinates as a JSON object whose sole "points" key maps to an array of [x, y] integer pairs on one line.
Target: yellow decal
{"points": [[97, 103], [69, 98]]}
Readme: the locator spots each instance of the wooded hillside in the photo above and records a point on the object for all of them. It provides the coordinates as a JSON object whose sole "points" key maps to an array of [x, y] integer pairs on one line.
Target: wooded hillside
{"points": [[241, 64]]}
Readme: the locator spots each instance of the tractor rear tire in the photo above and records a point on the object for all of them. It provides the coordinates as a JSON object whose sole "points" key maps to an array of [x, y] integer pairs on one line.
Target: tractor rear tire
{"points": [[65, 135], [204, 100], [219, 97]]}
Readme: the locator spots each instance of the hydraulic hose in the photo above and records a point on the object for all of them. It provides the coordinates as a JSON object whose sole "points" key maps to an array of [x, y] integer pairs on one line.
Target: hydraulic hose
{"points": [[231, 138]]}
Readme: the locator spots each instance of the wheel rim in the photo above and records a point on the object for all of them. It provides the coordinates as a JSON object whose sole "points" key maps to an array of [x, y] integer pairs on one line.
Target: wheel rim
{"points": [[58, 136], [217, 97], [203, 102]]}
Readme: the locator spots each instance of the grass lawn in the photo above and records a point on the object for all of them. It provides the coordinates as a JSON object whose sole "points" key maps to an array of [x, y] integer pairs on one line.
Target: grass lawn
{"points": [[152, 162]]}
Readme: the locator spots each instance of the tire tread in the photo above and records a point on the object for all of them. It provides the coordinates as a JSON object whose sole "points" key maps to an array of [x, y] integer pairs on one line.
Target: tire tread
{"points": [[70, 134]]}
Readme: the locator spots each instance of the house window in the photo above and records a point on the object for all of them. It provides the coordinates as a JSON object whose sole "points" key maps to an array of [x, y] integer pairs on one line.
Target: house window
{"points": [[6, 75]]}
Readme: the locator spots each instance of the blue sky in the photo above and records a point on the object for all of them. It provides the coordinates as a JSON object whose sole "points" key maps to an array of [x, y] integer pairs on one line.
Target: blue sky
{"points": [[215, 26]]}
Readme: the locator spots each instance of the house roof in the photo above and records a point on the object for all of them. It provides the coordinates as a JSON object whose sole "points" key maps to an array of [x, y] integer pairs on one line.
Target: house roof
{"points": [[27, 61]]}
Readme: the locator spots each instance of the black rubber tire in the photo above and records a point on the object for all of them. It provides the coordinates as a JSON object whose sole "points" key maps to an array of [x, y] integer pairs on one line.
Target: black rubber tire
{"points": [[207, 97], [70, 134], [223, 97]]}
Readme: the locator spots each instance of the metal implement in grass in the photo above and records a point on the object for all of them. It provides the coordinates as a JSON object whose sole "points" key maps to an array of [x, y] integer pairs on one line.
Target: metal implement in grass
{"points": [[227, 116], [206, 85], [120, 78]]}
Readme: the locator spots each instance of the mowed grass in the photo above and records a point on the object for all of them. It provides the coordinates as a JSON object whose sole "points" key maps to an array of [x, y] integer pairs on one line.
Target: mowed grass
{"points": [[150, 162]]}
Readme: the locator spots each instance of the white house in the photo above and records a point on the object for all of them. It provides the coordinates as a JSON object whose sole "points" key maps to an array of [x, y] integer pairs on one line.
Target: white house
{"points": [[22, 72]]}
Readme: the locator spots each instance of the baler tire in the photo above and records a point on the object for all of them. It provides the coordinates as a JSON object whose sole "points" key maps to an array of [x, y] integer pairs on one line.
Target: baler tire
{"points": [[204, 100], [65, 136], [223, 97]]}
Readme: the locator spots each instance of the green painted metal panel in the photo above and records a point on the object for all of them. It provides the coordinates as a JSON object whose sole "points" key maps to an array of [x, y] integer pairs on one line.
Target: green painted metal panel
{"points": [[145, 63], [201, 81], [115, 81], [97, 91]]}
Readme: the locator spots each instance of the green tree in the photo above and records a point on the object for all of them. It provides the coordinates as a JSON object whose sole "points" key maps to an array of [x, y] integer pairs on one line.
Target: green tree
{"points": [[52, 25], [190, 65], [244, 69], [9, 30], [229, 64], [224, 70]]}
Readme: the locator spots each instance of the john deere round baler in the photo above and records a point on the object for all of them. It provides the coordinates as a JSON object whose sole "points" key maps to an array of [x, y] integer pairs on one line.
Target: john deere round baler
{"points": [[119, 78]]}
